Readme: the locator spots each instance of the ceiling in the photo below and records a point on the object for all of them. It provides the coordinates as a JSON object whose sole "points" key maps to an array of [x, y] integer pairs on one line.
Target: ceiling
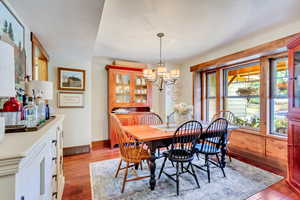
{"points": [[192, 27], [76, 30], [66, 28]]}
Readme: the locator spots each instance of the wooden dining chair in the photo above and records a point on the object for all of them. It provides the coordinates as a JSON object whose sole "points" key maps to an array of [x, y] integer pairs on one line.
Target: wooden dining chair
{"points": [[150, 119], [182, 151], [212, 140], [132, 152], [229, 116], [153, 119]]}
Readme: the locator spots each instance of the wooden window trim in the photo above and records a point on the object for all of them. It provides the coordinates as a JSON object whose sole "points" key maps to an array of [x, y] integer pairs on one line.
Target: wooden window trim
{"points": [[265, 49]]}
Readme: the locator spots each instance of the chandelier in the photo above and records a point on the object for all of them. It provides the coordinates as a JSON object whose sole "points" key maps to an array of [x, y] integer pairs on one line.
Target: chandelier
{"points": [[160, 76]]}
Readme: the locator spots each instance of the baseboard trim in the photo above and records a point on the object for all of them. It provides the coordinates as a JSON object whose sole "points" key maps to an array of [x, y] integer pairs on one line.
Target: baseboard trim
{"points": [[100, 144], [68, 151]]}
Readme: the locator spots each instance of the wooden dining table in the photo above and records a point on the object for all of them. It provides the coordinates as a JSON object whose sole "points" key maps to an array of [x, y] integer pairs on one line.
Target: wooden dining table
{"points": [[155, 136]]}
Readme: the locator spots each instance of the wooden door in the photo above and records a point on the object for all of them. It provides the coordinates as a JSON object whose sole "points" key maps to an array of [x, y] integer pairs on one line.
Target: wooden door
{"points": [[294, 114], [294, 80], [294, 154]]}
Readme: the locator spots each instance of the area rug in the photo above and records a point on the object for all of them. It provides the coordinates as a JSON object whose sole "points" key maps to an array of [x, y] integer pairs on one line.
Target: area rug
{"points": [[241, 181]]}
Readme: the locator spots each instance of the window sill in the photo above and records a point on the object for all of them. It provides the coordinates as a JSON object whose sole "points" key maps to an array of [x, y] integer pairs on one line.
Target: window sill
{"points": [[277, 137], [258, 133], [251, 131]]}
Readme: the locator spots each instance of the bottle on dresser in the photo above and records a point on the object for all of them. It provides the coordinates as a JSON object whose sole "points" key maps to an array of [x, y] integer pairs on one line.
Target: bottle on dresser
{"points": [[30, 114], [41, 110]]}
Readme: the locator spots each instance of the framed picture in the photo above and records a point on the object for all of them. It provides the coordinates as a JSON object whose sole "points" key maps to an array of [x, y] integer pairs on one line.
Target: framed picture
{"points": [[12, 32], [71, 79], [70, 100]]}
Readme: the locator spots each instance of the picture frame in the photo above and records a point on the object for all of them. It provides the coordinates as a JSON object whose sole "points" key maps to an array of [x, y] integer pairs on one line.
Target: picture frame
{"points": [[71, 79], [12, 31], [70, 100]]}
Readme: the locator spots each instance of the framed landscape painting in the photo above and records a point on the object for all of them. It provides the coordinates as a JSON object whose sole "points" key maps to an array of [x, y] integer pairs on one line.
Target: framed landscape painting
{"points": [[71, 79], [13, 32]]}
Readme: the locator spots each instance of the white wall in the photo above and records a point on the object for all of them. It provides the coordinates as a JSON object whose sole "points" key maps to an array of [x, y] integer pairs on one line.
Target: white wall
{"points": [[99, 98], [77, 123]]}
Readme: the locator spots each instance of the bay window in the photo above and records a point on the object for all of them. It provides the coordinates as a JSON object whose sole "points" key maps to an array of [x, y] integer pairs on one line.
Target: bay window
{"points": [[279, 96], [241, 94]]}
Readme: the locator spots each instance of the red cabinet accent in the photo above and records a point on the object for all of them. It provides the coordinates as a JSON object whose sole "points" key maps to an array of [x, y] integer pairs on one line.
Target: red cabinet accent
{"points": [[294, 114]]}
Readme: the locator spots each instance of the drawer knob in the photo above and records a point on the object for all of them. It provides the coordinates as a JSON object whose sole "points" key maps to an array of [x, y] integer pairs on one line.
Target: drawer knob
{"points": [[54, 142], [54, 194]]}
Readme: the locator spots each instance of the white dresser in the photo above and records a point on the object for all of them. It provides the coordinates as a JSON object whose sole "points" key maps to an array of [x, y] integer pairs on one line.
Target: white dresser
{"points": [[31, 164]]}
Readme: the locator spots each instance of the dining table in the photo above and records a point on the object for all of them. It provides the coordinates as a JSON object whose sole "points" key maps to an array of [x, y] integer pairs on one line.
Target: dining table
{"points": [[156, 136]]}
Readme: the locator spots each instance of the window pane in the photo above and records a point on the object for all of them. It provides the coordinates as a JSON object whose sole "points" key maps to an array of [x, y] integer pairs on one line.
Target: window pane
{"points": [[211, 108], [279, 116], [243, 81], [279, 77], [211, 85], [246, 111]]}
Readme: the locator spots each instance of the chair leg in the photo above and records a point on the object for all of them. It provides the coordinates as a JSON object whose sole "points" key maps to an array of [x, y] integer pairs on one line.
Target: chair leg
{"points": [[229, 156], [162, 167], [197, 154], [182, 167], [194, 174], [125, 177], [222, 168], [177, 178], [141, 163], [207, 167], [119, 167]]}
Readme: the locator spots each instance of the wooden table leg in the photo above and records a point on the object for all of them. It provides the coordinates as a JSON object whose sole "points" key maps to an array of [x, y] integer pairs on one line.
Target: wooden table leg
{"points": [[152, 166], [223, 155]]}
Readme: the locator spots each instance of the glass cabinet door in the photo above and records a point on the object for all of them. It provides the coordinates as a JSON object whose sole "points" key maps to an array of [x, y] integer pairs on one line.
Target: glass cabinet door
{"points": [[296, 79], [122, 89], [140, 90]]}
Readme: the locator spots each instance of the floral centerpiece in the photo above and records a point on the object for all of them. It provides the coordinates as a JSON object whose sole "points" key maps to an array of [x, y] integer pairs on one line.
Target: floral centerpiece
{"points": [[183, 112]]}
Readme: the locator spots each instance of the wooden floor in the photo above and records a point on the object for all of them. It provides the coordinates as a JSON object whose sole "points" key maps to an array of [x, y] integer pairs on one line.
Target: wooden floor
{"points": [[77, 186]]}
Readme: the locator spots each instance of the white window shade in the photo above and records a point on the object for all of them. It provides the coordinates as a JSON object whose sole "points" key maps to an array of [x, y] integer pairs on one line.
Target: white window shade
{"points": [[7, 70]]}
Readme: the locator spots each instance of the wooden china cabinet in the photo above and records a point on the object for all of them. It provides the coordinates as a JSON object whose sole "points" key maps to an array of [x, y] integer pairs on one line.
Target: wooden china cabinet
{"points": [[127, 90], [294, 114]]}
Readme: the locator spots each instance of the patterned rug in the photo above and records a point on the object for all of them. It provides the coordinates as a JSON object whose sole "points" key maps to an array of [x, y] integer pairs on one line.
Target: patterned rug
{"points": [[242, 181]]}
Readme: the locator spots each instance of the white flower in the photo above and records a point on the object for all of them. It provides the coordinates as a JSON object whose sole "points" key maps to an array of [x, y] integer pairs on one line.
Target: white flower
{"points": [[183, 108]]}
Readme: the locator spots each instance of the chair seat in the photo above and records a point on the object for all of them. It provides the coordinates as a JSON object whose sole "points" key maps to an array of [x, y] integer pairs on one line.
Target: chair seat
{"points": [[207, 149], [179, 155], [132, 154]]}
